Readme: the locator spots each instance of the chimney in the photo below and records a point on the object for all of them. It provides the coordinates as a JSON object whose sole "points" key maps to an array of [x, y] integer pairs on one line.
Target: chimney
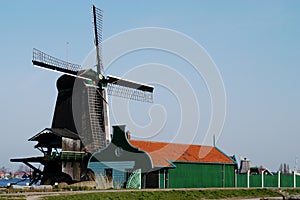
{"points": [[128, 133]]}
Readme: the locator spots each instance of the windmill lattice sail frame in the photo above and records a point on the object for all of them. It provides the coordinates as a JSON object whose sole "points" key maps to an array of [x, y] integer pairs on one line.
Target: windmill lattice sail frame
{"points": [[98, 24], [129, 93], [47, 61]]}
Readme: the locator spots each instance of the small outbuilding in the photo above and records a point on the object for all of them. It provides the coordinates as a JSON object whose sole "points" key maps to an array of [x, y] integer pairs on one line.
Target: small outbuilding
{"points": [[127, 163]]}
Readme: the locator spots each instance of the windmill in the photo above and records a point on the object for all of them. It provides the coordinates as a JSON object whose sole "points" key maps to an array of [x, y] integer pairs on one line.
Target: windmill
{"points": [[80, 124], [97, 84]]}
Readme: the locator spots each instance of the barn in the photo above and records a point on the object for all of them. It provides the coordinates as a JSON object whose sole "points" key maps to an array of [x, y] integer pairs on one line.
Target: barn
{"points": [[127, 163]]}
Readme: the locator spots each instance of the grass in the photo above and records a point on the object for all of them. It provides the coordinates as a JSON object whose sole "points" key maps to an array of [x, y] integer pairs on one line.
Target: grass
{"points": [[13, 197], [292, 191], [162, 194], [73, 188], [173, 194]]}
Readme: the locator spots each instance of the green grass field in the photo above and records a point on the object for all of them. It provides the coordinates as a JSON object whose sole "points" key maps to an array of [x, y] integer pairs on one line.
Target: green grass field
{"points": [[174, 194], [162, 194]]}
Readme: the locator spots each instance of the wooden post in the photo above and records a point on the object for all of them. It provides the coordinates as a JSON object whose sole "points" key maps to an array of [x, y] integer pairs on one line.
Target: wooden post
{"points": [[262, 178], [278, 179], [248, 179], [294, 173], [235, 178]]}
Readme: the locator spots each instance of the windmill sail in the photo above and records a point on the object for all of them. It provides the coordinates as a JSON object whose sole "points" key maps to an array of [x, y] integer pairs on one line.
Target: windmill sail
{"points": [[98, 20], [129, 89], [96, 119], [44, 60]]}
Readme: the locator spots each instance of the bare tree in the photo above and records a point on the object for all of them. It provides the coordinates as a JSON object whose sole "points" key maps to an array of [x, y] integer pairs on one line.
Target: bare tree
{"points": [[284, 168], [280, 168], [4, 169]]}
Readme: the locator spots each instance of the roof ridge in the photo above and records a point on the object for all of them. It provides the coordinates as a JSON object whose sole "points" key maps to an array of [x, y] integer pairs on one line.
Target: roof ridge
{"points": [[148, 141]]}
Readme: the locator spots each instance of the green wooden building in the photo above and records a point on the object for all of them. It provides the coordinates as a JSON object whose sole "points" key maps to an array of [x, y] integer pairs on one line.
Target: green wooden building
{"points": [[130, 163]]}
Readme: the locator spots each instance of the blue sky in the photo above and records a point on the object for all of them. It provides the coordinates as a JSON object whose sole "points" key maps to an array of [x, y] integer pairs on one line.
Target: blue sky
{"points": [[255, 45]]}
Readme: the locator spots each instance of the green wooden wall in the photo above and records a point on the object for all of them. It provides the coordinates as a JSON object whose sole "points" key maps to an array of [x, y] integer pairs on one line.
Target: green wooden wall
{"points": [[161, 179], [297, 181], [255, 180], [201, 175], [286, 180], [242, 180], [271, 181]]}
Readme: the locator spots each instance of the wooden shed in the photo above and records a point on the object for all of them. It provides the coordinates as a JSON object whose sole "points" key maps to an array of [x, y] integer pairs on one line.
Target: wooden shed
{"points": [[152, 164]]}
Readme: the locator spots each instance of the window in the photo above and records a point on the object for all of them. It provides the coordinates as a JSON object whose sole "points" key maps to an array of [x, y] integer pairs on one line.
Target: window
{"points": [[108, 174]]}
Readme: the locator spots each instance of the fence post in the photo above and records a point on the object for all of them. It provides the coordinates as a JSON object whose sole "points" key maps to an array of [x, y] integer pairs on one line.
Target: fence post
{"points": [[235, 178], [262, 178], [278, 179], [248, 179], [294, 179]]}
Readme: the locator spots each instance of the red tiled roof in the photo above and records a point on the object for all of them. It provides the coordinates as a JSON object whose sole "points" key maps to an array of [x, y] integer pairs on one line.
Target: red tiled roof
{"points": [[161, 153]]}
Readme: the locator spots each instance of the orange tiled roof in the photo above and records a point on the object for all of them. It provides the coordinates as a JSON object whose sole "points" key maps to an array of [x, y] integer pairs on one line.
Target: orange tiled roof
{"points": [[161, 153]]}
